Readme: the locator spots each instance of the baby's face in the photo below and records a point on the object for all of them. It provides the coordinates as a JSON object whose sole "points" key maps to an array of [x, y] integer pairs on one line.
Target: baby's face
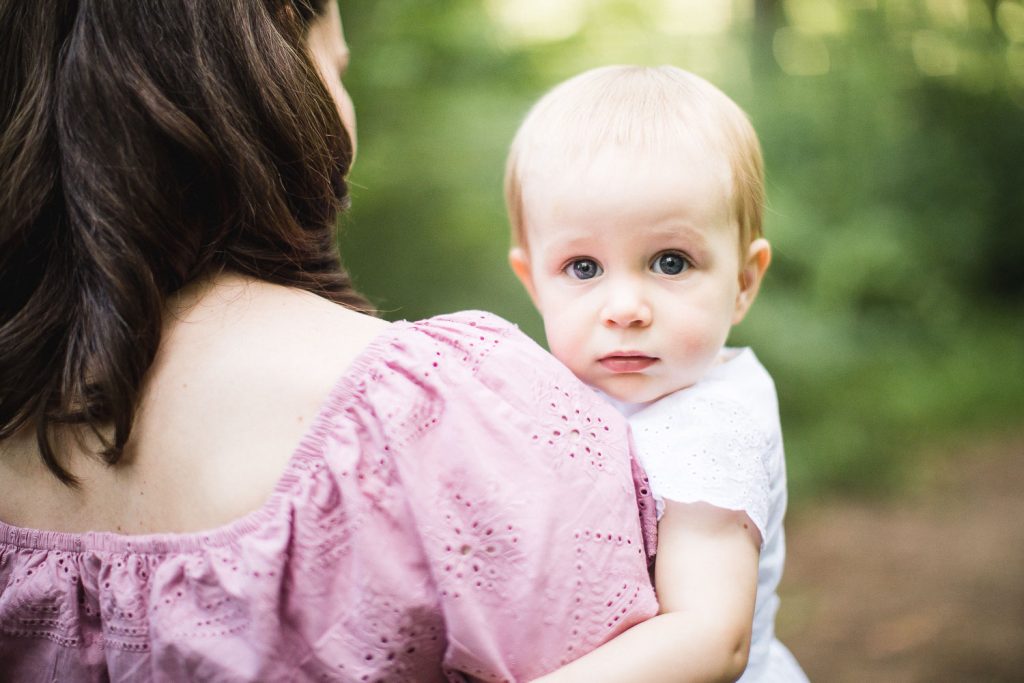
{"points": [[634, 263]]}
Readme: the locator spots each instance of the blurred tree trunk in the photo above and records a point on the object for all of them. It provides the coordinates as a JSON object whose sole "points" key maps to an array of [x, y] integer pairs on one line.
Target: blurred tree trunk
{"points": [[767, 18]]}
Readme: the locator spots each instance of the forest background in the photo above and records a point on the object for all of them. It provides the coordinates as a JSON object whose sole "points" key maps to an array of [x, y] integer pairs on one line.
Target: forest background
{"points": [[893, 133]]}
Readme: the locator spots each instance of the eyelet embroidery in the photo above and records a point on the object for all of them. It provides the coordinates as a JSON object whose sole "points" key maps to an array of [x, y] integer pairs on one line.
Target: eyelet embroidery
{"points": [[324, 527], [380, 640], [707, 450], [571, 431], [478, 548], [202, 606], [599, 559]]}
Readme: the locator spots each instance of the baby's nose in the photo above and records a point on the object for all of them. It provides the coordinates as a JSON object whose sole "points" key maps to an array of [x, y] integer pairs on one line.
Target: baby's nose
{"points": [[627, 307]]}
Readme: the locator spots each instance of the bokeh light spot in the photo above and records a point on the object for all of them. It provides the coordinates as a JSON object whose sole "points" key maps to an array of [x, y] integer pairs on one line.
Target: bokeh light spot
{"points": [[538, 21], [934, 54], [800, 54], [1010, 16]]}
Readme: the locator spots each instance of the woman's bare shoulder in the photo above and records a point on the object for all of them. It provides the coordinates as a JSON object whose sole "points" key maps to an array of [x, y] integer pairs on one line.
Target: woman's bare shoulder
{"points": [[238, 381], [243, 369], [244, 341]]}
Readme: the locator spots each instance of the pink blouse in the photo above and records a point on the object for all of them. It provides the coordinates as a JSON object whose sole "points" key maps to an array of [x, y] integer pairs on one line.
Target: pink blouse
{"points": [[462, 508]]}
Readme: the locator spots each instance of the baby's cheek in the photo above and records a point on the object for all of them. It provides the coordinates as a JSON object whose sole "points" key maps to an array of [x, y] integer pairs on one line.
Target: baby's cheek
{"points": [[573, 361], [562, 347], [699, 347]]}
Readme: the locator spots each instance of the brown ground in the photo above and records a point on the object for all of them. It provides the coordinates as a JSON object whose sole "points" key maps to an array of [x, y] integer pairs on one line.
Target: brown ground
{"points": [[925, 587]]}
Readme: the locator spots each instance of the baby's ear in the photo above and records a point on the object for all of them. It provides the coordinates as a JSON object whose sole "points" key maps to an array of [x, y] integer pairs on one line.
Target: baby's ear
{"points": [[756, 261], [520, 262]]}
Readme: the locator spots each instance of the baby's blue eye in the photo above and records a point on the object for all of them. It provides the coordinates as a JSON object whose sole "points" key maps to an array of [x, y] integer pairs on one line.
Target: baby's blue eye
{"points": [[670, 263], [583, 269]]}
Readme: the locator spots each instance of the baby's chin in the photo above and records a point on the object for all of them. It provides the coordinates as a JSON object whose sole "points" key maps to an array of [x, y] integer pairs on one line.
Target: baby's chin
{"points": [[630, 390]]}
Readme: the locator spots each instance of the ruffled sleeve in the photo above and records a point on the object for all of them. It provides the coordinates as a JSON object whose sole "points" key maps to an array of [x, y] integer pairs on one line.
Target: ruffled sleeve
{"points": [[521, 492], [703, 448]]}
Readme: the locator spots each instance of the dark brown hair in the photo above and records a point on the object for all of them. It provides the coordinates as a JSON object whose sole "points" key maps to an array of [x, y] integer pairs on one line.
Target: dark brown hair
{"points": [[143, 144]]}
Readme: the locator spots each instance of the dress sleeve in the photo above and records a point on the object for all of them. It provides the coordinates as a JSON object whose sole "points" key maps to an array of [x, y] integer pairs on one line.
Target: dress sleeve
{"points": [[520, 485], [705, 449]]}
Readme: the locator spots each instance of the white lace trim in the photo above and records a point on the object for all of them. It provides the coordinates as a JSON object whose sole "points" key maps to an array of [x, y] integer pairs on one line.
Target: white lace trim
{"points": [[705, 449]]}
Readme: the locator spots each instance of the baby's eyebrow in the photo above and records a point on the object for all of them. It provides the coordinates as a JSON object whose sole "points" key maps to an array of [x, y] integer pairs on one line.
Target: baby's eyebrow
{"points": [[579, 243], [679, 230]]}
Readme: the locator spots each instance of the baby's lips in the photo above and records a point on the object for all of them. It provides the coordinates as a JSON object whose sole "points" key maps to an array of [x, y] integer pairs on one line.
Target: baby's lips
{"points": [[627, 363]]}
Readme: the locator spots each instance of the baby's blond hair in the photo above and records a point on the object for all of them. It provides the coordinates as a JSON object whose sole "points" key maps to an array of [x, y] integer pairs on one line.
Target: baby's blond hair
{"points": [[645, 108]]}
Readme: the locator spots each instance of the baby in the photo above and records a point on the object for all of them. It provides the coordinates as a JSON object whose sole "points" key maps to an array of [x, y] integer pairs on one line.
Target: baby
{"points": [[635, 197]]}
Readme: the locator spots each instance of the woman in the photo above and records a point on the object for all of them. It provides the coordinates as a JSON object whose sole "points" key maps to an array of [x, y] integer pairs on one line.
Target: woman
{"points": [[213, 465]]}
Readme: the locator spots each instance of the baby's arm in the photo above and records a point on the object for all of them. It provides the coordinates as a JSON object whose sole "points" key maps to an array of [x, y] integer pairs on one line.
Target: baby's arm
{"points": [[706, 578]]}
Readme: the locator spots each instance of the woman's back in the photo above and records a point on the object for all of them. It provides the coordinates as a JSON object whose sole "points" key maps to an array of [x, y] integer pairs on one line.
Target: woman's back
{"points": [[242, 369]]}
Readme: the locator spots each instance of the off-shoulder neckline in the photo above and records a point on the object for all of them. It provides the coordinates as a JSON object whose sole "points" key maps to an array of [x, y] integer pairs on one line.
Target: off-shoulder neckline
{"points": [[309, 447]]}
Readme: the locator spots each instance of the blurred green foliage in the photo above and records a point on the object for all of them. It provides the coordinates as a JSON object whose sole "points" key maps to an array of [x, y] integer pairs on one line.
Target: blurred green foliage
{"points": [[893, 133]]}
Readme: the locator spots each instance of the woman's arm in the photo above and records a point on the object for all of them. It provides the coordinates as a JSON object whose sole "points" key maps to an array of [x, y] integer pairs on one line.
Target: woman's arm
{"points": [[706, 578]]}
